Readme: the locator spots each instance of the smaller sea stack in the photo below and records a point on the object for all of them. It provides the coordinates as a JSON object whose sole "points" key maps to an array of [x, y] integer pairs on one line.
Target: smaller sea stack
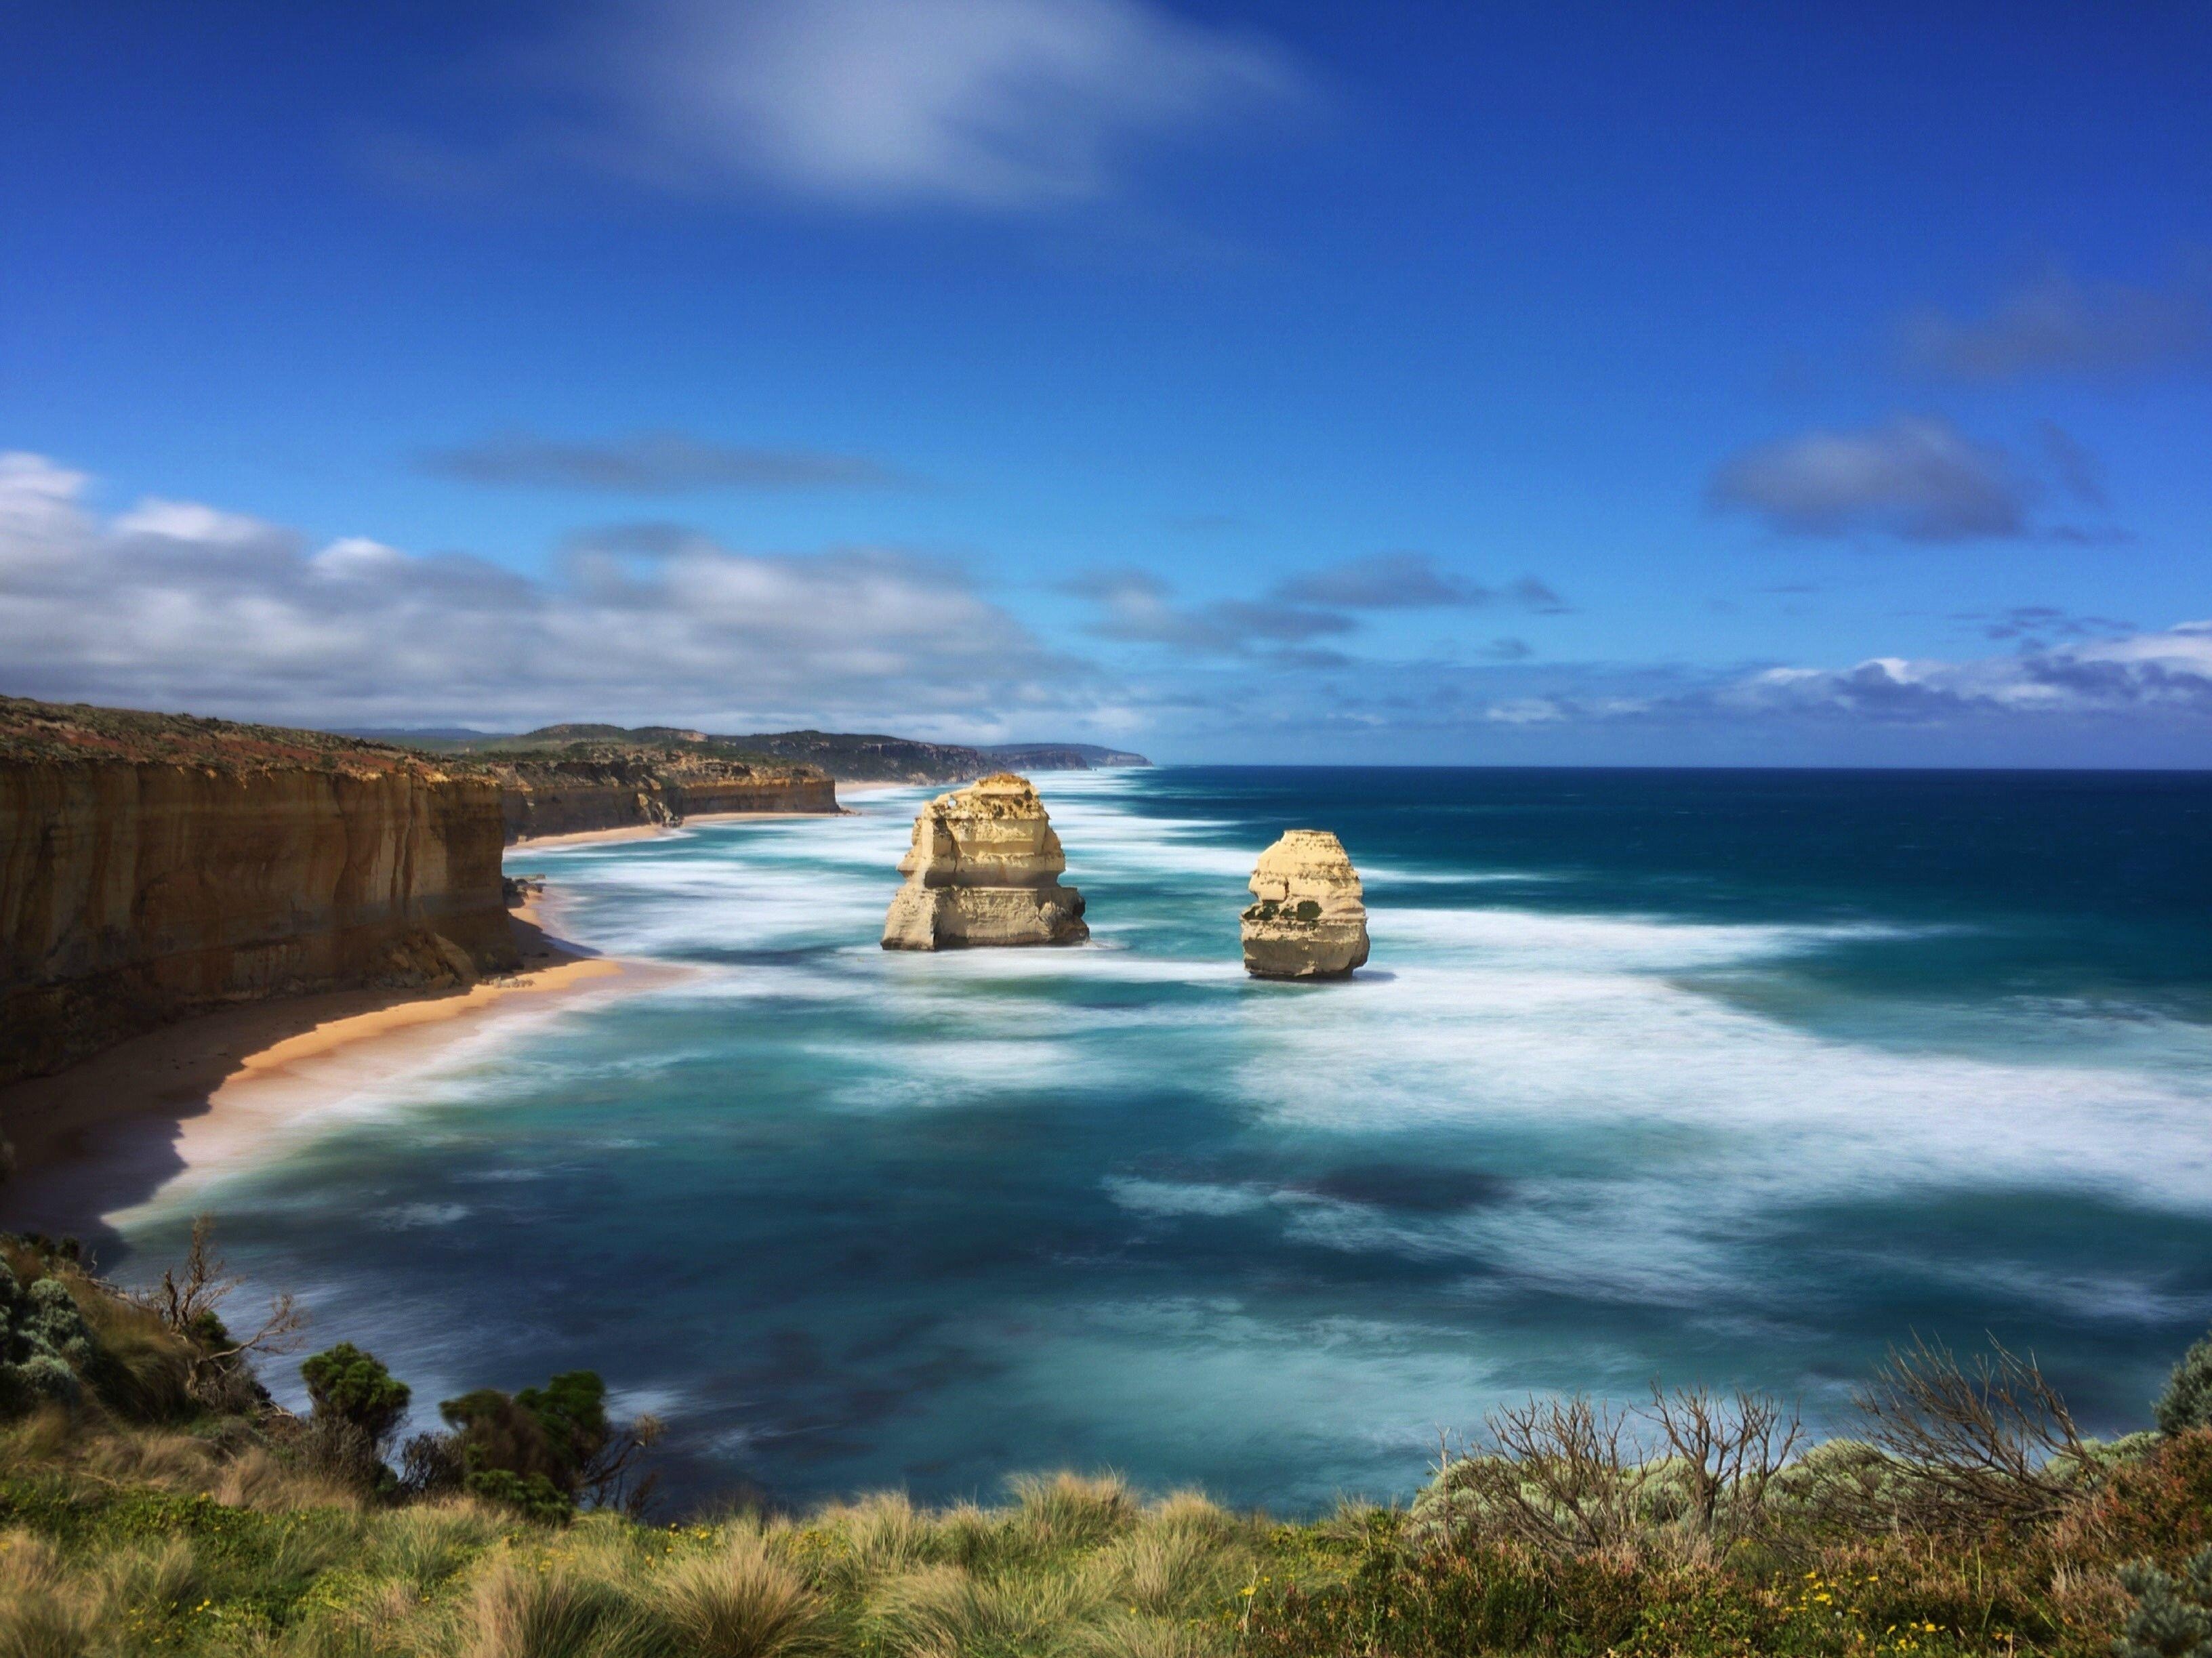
{"points": [[1309, 920], [984, 869]]}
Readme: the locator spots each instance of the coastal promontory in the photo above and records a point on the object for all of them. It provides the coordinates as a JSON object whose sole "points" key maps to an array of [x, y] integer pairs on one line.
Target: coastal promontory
{"points": [[984, 869], [152, 865], [1309, 917]]}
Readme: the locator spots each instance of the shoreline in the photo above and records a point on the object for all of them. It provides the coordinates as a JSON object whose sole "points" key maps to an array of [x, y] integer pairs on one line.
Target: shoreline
{"points": [[172, 1107], [153, 1116]]}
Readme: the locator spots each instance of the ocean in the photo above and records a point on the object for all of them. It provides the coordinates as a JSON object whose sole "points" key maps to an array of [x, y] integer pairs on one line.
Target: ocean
{"points": [[1731, 1078]]}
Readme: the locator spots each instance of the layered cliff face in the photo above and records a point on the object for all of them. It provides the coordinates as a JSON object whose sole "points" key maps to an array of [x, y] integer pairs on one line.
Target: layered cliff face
{"points": [[1310, 917], [151, 866], [984, 869], [601, 789]]}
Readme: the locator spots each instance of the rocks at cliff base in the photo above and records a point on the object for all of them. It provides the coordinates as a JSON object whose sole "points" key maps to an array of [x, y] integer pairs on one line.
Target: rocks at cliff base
{"points": [[1309, 922], [984, 869]]}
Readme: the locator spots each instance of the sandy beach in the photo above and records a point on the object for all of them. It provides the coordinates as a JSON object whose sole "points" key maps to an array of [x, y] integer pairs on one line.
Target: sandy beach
{"points": [[166, 1108], [153, 1116]]}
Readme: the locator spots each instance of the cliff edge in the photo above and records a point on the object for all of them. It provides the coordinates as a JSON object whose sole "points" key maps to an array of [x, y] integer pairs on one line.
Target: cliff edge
{"points": [[588, 785], [152, 865]]}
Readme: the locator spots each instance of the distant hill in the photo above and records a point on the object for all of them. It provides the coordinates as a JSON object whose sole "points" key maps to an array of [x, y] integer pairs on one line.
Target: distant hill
{"points": [[848, 757]]}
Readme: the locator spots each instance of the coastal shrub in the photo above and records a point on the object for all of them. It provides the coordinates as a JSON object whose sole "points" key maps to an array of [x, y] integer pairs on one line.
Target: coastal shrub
{"points": [[542, 1451], [2173, 1615], [355, 1388], [358, 1404], [2158, 1507], [44, 1345], [2187, 1401]]}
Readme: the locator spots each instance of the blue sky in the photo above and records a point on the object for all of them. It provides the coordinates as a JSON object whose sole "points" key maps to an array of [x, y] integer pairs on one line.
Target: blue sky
{"points": [[1409, 383]]}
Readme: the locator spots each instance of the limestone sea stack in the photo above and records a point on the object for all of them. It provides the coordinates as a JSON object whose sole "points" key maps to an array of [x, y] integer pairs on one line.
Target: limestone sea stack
{"points": [[1309, 920], [984, 869]]}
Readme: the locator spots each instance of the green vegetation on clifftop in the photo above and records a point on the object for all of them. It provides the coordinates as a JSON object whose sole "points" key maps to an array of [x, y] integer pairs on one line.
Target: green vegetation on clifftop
{"points": [[153, 1499]]}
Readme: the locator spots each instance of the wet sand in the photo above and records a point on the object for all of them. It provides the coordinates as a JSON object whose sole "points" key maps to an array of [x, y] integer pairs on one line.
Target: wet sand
{"points": [[153, 1115]]}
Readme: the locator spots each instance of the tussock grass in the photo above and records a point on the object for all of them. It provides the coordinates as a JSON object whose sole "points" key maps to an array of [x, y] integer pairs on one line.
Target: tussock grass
{"points": [[740, 1600], [46, 1612]]}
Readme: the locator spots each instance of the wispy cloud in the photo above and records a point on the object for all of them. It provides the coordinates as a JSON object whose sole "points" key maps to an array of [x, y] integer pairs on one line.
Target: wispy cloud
{"points": [[2058, 326], [996, 105], [1409, 582], [1138, 607], [653, 463], [1916, 478], [175, 604]]}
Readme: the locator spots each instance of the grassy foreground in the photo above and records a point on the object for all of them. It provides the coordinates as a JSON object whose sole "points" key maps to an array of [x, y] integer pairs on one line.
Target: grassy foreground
{"points": [[152, 1500]]}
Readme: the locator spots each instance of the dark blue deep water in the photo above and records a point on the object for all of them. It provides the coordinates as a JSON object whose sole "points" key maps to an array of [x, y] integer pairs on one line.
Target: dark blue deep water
{"points": [[1718, 1077]]}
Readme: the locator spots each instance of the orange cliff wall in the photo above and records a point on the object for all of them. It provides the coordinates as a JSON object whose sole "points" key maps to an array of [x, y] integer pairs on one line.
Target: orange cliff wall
{"points": [[132, 892], [577, 796]]}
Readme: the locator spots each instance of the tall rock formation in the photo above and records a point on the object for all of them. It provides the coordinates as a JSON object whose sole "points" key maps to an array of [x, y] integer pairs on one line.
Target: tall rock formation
{"points": [[1309, 920], [151, 866], [984, 869]]}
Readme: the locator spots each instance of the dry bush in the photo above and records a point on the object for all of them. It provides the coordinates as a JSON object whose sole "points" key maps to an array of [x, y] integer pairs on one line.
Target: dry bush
{"points": [[255, 1480], [1555, 1474], [147, 1369], [1166, 1571], [158, 1579], [942, 1611], [519, 1610], [188, 1302], [1068, 1510], [43, 1612], [38, 1441], [1189, 1511], [1146, 1638], [1974, 1446], [876, 1536], [424, 1544], [174, 1461], [1723, 1455], [739, 1602]]}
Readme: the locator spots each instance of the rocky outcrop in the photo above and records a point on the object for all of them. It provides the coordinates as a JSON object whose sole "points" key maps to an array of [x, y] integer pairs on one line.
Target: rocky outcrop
{"points": [[1309, 919], [151, 866], [984, 869], [602, 791]]}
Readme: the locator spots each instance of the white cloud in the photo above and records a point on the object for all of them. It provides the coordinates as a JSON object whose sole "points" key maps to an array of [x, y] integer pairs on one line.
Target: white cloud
{"points": [[991, 104], [2166, 672], [177, 605]]}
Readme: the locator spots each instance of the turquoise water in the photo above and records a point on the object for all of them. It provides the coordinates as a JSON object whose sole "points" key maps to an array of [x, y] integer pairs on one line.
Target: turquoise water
{"points": [[1730, 1078]]}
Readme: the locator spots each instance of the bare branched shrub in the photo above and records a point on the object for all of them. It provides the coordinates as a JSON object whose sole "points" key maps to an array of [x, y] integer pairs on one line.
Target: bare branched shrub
{"points": [[1554, 1474], [1692, 1473], [188, 1300], [1725, 1454], [1989, 1443], [612, 1477]]}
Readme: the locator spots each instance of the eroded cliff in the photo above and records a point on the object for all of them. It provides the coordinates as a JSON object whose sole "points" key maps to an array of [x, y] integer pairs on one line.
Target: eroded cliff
{"points": [[152, 865], [602, 786]]}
